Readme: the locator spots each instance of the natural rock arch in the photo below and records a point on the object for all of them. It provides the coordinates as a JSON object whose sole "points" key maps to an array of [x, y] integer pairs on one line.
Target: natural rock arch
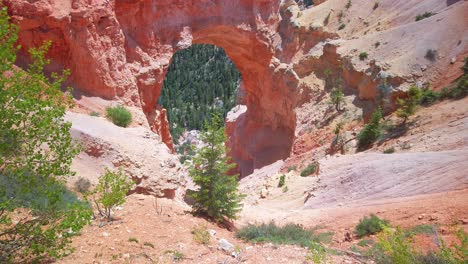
{"points": [[122, 49]]}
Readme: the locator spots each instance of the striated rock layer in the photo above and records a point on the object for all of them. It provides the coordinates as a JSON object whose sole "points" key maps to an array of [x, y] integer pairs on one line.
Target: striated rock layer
{"points": [[121, 49]]}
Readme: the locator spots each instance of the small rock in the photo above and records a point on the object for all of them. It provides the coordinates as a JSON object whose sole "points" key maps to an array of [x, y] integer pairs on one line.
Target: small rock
{"points": [[212, 232], [464, 221], [105, 234], [225, 246], [420, 217], [433, 218], [263, 193], [453, 60], [126, 255], [348, 237], [423, 68]]}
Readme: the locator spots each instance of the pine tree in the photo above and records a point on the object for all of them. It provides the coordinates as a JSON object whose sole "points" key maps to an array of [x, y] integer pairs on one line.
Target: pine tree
{"points": [[217, 195], [337, 98], [372, 131], [409, 105]]}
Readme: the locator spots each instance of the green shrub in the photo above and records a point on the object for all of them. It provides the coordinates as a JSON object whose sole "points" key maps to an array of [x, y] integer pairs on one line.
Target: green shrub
{"points": [[111, 191], [119, 115], [408, 106], [282, 180], [365, 242], [292, 168], [389, 150], [376, 5], [377, 44], [94, 113], [285, 189], [133, 239], [371, 132], [363, 55], [311, 168], [327, 19], [429, 97], [291, 234], [148, 244], [337, 98], [421, 229], [431, 54], [201, 235], [317, 253], [423, 16], [176, 255], [370, 225], [348, 4], [342, 26], [82, 185]]}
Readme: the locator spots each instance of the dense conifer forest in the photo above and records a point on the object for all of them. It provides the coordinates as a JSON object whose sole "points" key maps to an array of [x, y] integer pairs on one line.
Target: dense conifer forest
{"points": [[201, 79]]}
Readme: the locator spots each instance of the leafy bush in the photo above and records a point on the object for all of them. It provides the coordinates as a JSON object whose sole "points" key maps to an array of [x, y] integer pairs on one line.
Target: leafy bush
{"points": [[119, 115], [431, 54], [423, 16], [311, 168], [94, 113], [389, 150], [395, 246], [317, 253], [371, 132], [291, 234], [363, 55], [342, 26], [36, 150], [82, 185], [285, 189], [282, 180], [370, 225], [111, 192], [377, 44], [201, 236], [292, 168]]}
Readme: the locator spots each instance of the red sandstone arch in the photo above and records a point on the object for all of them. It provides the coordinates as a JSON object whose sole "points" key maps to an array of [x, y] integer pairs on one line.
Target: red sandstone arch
{"points": [[122, 49]]}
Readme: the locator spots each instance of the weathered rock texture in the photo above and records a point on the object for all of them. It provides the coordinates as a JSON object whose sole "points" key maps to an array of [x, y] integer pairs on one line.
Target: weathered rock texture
{"points": [[122, 49], [137, 151]]}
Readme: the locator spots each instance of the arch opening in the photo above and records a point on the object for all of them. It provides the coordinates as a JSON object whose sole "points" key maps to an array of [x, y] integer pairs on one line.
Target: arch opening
{"points": [[200, 80]]}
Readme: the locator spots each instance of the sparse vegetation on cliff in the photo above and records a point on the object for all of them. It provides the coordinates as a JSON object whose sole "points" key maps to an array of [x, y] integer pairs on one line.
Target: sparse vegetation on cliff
{"points": [[371, 132], [119, 115], [408, 106], [110, 192], [370, 225], [337, 98], [363, 56], [423, 16]]}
